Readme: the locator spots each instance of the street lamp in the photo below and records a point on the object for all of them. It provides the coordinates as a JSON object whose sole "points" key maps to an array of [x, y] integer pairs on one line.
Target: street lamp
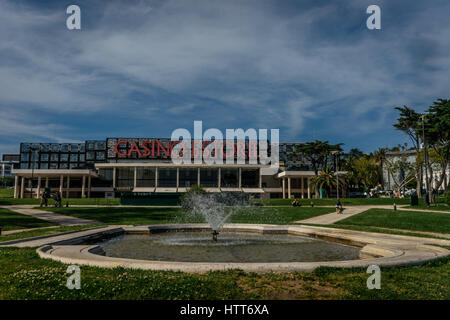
{"points": [[34, 151], [425, 153]]}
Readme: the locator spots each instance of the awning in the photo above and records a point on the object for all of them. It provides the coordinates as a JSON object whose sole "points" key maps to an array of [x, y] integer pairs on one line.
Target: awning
{"points": [[144, 189], [253, 190]]}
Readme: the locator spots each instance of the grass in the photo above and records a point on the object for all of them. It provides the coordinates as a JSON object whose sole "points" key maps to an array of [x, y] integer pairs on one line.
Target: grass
{"points": [[152, 215], [438, 207], [10, 220], [407, 220], [45, 279], [6, 193], [332, 201], [72, 201], [42, 232]]}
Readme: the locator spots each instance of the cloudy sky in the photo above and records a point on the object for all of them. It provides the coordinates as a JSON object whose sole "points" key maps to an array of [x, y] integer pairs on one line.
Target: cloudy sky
{"points": [[144, 68]]}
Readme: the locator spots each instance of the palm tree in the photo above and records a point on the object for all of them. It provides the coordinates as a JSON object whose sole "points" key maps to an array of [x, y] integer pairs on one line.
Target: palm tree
{"points": [[326, 179]]}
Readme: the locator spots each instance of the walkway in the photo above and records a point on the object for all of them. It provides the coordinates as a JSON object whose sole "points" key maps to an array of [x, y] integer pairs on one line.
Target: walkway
{"points": [[49, 216]]}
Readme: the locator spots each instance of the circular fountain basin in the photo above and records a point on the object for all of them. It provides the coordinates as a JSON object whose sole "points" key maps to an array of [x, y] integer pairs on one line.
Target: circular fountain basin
{"points": [[236, 247], [258, 248]]}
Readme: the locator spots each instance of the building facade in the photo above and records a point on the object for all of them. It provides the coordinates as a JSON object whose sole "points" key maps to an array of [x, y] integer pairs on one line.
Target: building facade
{"points": [[99, 168]]}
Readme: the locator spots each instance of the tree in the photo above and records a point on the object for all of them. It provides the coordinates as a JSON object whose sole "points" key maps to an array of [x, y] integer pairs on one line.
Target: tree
{"points": [[409, 123], [366, 171], [318, 154], [402, 171], [326, 179]]}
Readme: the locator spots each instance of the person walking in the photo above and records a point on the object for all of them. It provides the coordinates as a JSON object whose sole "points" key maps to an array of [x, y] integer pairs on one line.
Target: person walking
{"points": [[338, 206], [44, 199]]}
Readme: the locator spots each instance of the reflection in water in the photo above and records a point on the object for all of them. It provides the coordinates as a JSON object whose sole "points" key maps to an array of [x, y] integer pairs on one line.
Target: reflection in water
{"points": [[230, 247]]}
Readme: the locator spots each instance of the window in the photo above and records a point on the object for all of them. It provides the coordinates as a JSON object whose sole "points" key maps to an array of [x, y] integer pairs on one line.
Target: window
{"points": [[209, 177], [250, 178], [167, 177], [100, 155], [229, 178], [44, 157], [25, 157], [55, 147], [145, 177], [125, 177], [188, 177], [90, 155], [64, 157], [74, 157], [53, 165], [54, 157], [25, 147], [44, 165]]}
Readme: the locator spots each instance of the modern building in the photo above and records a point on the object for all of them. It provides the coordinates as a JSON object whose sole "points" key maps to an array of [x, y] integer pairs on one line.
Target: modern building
{"points": [[409, 156], [8, 163], [99, 168]]}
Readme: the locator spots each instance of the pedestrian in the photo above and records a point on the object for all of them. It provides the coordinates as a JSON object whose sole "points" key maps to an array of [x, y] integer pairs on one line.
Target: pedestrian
{"points": [[58, 200], [295, 203], [44, 199], [338, 206]]}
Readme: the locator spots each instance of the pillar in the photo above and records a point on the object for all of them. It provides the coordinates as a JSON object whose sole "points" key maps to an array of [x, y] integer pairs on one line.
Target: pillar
{"points": [[156, 177], [22, 187], [89, 186], [303, 187], [309, 189], [134, 177], [260, 179], [83, 187], [198, 176], [16, 187], [219, 178], [38, 192], [178, 178], [46, 182], [68, 187], [61, 181], [114, 177], [289, 188], [283, 181], [240, 178]]}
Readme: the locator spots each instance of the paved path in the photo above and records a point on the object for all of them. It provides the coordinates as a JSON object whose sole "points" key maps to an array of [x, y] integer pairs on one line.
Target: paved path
{"points": [[49, 216], [5, 233]]}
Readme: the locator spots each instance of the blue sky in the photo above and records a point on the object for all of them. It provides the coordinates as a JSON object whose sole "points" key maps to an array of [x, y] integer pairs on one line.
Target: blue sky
{"points": [[144, 68]]}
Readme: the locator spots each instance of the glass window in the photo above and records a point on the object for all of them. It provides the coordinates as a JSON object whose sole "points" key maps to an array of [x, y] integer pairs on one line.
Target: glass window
{"points": [[82, 157], [74, 157], [24, 166], [35, 157], [82, 148], [106, 174], [125, 177], [100, 155], [64, 147], [229, 178], [44, 157], [167, 177], [100, 145], [54, 165], [44, 165], [45, 147], [74, 148], [188, 177], [90, 145], [63, 165], [55, 147], [73, 165], [250, 178], [25, 147], [64, 157], [209, 177], [145, 177], [54, 157], [90, 155], [24, 157]]}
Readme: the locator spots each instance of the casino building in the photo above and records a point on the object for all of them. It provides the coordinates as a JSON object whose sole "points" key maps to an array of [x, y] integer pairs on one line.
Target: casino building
{"points": [[106, 168]]}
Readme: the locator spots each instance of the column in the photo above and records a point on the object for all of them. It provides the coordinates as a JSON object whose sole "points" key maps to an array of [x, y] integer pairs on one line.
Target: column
{"points": [[309, 189], [134, 177], [46, 182], [198, 176], [83, 186], [114, 177], [156, 177], [22, 186], [283, 181], [38, 192], [61, 181], [178, 177], [303, 187], [68, 187], [289, 188], [219, 177], [240, 178], [260, 179], [16, 187], [89, 186]]}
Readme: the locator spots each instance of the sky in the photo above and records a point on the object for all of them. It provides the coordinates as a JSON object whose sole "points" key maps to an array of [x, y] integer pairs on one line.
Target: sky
{"points": [[311, 69]]}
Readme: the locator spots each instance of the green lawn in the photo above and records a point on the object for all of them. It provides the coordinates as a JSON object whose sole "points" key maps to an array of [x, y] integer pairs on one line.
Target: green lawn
{"points": [[332, 201], [6, 193], [154, 215], [10, 220], [42, 232], [438, 207], [74, 201], [407, 220], [23, 275]]}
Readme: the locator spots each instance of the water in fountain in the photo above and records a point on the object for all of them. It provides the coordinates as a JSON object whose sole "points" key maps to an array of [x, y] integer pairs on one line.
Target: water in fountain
{"points": [[214, 208]]}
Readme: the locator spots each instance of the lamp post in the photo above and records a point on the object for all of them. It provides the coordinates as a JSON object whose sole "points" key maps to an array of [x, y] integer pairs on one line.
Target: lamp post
{"points": [[34, 151], [336, 154], [425, 153]]}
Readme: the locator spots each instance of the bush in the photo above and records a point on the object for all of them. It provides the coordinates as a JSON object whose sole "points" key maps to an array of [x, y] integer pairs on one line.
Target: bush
{"points": [[447, 197]]}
